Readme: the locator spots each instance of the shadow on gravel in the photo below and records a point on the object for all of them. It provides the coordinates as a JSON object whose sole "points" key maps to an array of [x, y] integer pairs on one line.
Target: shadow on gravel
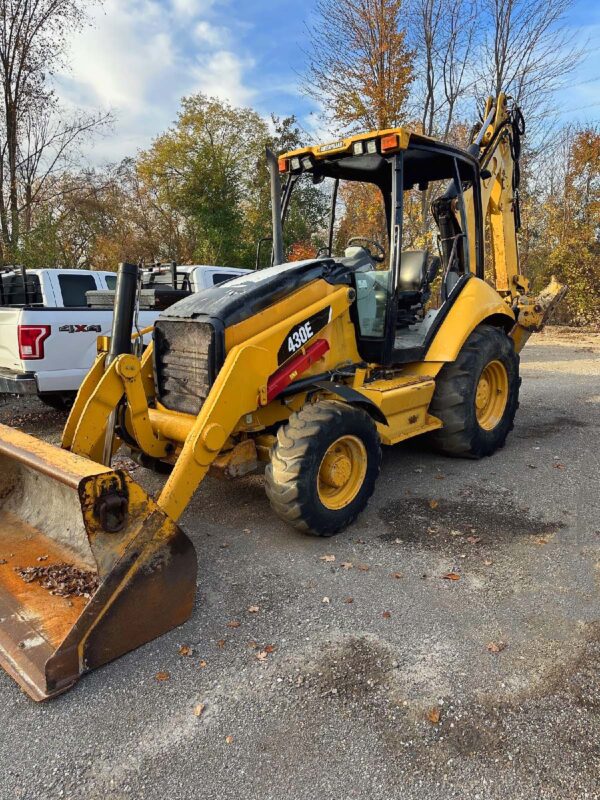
{"points": [[414, 521]]}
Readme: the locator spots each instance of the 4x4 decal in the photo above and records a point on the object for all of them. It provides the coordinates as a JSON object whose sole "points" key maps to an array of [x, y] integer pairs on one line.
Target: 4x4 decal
{"points": [[80, 329]]}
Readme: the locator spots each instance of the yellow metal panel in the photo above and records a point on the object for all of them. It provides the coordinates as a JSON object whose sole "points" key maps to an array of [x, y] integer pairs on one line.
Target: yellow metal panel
{"points": [[476, 302], [404, 400]]}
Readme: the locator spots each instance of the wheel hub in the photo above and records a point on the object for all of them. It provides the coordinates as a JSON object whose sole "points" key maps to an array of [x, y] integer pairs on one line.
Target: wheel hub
{"points": [[491, 395], [336, 470], [342, 472]]}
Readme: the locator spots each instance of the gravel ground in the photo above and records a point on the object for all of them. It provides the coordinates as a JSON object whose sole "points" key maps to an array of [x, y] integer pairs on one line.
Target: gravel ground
{"points": [[368, 676]]}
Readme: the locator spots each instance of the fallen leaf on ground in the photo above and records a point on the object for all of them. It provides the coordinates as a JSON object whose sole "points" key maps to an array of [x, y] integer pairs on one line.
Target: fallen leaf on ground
{"points": [[233, 623], [326, 601], [433, 504], [488, 562], [473, 539], [184, 650], [252, 644], [253, 609], [439, 477], [496, 647], [162, 676], [456, 533], [269, 648], [386, 615], [3, 561], [559, 466], [224, 546], [199, 709], [229, 739], [398, 541], [346, 565], [262, 656], [541, 540], [327, 558], [396, 575], [363, 567], [451, 576], [349, 600], [433, 715], [42, 558], [202, 663], [221, 643]]}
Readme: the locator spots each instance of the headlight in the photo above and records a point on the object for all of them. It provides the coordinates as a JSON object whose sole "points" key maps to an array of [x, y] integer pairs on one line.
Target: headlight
{"points": [[294, 163], [358, 148], [372, 146], [306, 163]]}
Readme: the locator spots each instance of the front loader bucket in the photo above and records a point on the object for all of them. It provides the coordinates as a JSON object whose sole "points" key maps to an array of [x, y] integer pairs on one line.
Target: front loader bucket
{"points": [[90, 567]]}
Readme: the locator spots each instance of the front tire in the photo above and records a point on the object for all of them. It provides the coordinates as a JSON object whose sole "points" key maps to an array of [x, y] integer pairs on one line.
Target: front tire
{"points": [[58, 401], [477, 396], [323, 467]]}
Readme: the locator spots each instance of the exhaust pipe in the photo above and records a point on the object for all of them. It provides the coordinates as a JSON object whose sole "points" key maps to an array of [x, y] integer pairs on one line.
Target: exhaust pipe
{"points": [[120, 339], [273, 167], [124, 311]]}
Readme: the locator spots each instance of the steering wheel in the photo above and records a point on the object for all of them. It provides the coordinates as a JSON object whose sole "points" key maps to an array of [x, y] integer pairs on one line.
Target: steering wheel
{"points": [[367, 244]]}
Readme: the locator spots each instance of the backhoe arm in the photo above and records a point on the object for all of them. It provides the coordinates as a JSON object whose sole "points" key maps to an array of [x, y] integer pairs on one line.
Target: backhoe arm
{"points": [[497, 145]]}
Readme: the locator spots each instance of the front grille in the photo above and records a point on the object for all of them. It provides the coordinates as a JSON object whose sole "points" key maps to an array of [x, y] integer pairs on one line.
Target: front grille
{"points": [[183, 363]]}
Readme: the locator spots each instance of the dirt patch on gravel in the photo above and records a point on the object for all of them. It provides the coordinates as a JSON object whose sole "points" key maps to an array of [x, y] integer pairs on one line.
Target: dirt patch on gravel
{"points": [[350, 670], [445, 524], [540, 429]]}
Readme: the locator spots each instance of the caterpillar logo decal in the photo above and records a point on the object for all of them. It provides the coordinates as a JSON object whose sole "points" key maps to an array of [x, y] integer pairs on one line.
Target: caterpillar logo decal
{"points": [[302, 333]]}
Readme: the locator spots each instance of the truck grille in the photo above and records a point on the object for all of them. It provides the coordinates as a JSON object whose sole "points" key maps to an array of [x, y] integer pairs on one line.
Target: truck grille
{"points": [[183, 363]]}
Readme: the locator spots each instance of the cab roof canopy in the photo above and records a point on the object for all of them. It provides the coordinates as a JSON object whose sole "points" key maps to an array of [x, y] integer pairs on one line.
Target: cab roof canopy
{"points": [[364, 157]]}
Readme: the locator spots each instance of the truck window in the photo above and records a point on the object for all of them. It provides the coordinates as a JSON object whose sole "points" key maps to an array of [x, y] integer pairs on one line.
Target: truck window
{"points": [[221, 277], [74, 287], [111, 282], [13, 292]]}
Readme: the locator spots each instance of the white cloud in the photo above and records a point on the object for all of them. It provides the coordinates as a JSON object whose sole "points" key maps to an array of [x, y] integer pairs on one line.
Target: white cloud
{"points": [[139, 58], [204, 32], [221, 75], [191, 8]]}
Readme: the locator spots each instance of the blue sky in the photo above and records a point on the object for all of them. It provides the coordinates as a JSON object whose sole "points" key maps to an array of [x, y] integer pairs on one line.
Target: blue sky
{"points": [[141, 56]]}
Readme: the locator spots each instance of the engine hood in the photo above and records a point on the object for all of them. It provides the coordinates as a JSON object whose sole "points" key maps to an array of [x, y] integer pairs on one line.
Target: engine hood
{"points": [[243, 297]]}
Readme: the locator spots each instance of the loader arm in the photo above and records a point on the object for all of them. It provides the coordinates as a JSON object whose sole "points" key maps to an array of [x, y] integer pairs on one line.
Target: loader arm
{"points": [[241, 388]]}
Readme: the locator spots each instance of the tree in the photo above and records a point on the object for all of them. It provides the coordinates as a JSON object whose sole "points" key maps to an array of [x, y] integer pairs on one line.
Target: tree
{"points": [[208, 176], [526, 51], [35, 136], [566, 235], [359, 66]]}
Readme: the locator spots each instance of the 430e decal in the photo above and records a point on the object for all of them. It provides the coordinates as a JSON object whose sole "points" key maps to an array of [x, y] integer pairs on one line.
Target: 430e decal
{"points": [[302, 333]]}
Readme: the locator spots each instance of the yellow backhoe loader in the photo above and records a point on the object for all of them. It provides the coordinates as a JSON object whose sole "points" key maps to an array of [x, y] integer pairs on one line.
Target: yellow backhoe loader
{"points": [[309, 366]]}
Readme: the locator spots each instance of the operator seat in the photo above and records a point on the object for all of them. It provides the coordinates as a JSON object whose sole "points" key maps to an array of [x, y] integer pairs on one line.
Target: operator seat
{"points": [[413, 284]]}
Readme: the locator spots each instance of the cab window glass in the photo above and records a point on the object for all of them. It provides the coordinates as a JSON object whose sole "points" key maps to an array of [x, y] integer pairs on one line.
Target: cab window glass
{"points": [[73, 289]]}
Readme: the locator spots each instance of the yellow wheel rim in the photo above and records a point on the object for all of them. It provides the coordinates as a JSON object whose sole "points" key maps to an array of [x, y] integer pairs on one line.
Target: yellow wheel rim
{"points": [[342, 472], [491, 395]]}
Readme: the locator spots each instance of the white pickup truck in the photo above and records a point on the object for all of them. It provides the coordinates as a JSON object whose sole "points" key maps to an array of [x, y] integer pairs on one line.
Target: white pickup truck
{"points": [[48, 334]]}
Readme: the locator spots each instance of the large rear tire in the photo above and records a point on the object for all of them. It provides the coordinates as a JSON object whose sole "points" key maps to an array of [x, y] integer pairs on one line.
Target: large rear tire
{"points": [[323, 467], [477, 396]]}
